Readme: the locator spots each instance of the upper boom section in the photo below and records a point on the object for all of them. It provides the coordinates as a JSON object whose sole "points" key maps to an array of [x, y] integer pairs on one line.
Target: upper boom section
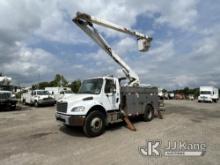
{"points": [[111, 25], [85, 22]]}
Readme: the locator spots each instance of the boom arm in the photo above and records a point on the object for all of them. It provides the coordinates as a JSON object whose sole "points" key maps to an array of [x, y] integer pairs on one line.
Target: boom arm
{"points": [[85, 22]]}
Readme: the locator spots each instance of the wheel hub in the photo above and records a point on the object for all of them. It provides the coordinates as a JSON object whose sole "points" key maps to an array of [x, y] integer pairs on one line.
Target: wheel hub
{"points": [[96, 124]]}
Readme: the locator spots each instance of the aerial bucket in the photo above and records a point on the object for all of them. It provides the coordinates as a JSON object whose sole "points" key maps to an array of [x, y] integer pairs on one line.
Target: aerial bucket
{"points": [[143, 44]]}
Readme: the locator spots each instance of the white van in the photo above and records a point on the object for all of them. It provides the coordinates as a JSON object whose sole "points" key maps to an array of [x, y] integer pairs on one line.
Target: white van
{"points": [[208, 94]]}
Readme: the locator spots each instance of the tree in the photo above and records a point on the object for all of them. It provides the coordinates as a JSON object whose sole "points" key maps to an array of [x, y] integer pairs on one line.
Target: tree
{"points": [[75, 85], [34, 86], [58, 81], [186, 91], [42, 85]]}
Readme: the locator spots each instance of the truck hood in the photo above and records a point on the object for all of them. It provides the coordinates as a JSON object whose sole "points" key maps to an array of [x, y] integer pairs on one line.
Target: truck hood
{"points": [[77, 97]]}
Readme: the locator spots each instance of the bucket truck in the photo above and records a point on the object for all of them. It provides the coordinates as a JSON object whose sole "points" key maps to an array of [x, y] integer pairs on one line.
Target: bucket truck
{"points": [[103, 100]]}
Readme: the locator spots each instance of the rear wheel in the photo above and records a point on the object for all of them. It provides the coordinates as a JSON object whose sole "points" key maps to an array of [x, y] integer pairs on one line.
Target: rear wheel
{"points": [[94, 124], [148, 113]]}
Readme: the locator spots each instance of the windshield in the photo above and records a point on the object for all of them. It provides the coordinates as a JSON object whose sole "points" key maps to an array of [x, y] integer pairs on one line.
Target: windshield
{"points": [[92, 86], [43, 93], [6, 87], [205, 92]]}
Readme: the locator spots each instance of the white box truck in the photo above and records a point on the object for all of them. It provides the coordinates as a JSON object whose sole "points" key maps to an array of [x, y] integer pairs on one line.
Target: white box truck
{"points": [[208, 94]]}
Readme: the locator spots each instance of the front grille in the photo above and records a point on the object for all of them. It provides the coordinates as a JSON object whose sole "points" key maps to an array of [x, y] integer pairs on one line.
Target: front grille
{"points": [[5, 95], [48, 98], [61, 107]]}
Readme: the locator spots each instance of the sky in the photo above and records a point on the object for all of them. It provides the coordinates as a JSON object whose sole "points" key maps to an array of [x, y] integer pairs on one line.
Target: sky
{"points": [[38, 40]]}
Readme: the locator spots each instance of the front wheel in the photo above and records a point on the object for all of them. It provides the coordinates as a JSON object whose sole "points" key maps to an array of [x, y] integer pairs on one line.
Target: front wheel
{"points": [[148, 113], [24, 102], [94, 124], [13, 107], [36, 104]]}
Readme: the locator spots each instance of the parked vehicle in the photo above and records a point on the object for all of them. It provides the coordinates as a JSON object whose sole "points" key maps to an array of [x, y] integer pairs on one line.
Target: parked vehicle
{"points": [[191, 97], [160, 92], [56, 90], [7, 98], [59, 92], [7, 101], [171, 95], [208, 94], [101, 101], [179, 96], [104, 100], [37, 98]]}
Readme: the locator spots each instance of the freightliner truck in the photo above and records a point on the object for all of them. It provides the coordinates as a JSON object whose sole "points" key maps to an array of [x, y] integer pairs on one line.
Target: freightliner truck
{"points": [[104, 100]]}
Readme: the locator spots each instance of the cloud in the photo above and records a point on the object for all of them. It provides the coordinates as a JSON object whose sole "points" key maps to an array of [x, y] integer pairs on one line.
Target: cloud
{"points": [[30, 64], [163, 51], [38, 38], [179, 14], [184, 80]]}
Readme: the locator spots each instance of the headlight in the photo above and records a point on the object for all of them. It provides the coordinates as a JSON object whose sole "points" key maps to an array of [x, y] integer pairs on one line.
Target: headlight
{"points": [[78, 109]]}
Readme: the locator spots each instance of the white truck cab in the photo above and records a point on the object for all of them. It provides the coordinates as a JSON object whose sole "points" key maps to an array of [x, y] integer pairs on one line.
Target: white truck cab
{"points": [[37, 97], [208, 94], [98, 91], [103, 92]]}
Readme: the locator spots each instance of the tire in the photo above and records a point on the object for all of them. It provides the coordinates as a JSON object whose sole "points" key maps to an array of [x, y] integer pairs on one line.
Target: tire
{"points": [[36, 104], [148, 113], [13, 108], [94, 124]]}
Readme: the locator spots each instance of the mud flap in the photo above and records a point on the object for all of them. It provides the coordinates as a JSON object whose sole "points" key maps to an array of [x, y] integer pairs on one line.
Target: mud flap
{"points": [[159, 115]]}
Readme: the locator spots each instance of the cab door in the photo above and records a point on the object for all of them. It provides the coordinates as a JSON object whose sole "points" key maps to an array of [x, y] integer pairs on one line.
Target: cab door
{"points": [[111, 94]]}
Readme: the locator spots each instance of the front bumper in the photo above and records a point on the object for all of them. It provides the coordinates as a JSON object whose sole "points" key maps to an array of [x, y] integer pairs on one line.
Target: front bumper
{"points": [[8, 103], [72, 120], [205, 99], [46, 102]]}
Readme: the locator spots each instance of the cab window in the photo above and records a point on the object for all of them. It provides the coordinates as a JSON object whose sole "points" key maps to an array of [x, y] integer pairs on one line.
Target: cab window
{"points": [[109, 86]]}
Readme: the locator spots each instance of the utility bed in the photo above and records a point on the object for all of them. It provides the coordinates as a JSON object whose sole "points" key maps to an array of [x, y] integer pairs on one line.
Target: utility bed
{"points": [[135, 99]]}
